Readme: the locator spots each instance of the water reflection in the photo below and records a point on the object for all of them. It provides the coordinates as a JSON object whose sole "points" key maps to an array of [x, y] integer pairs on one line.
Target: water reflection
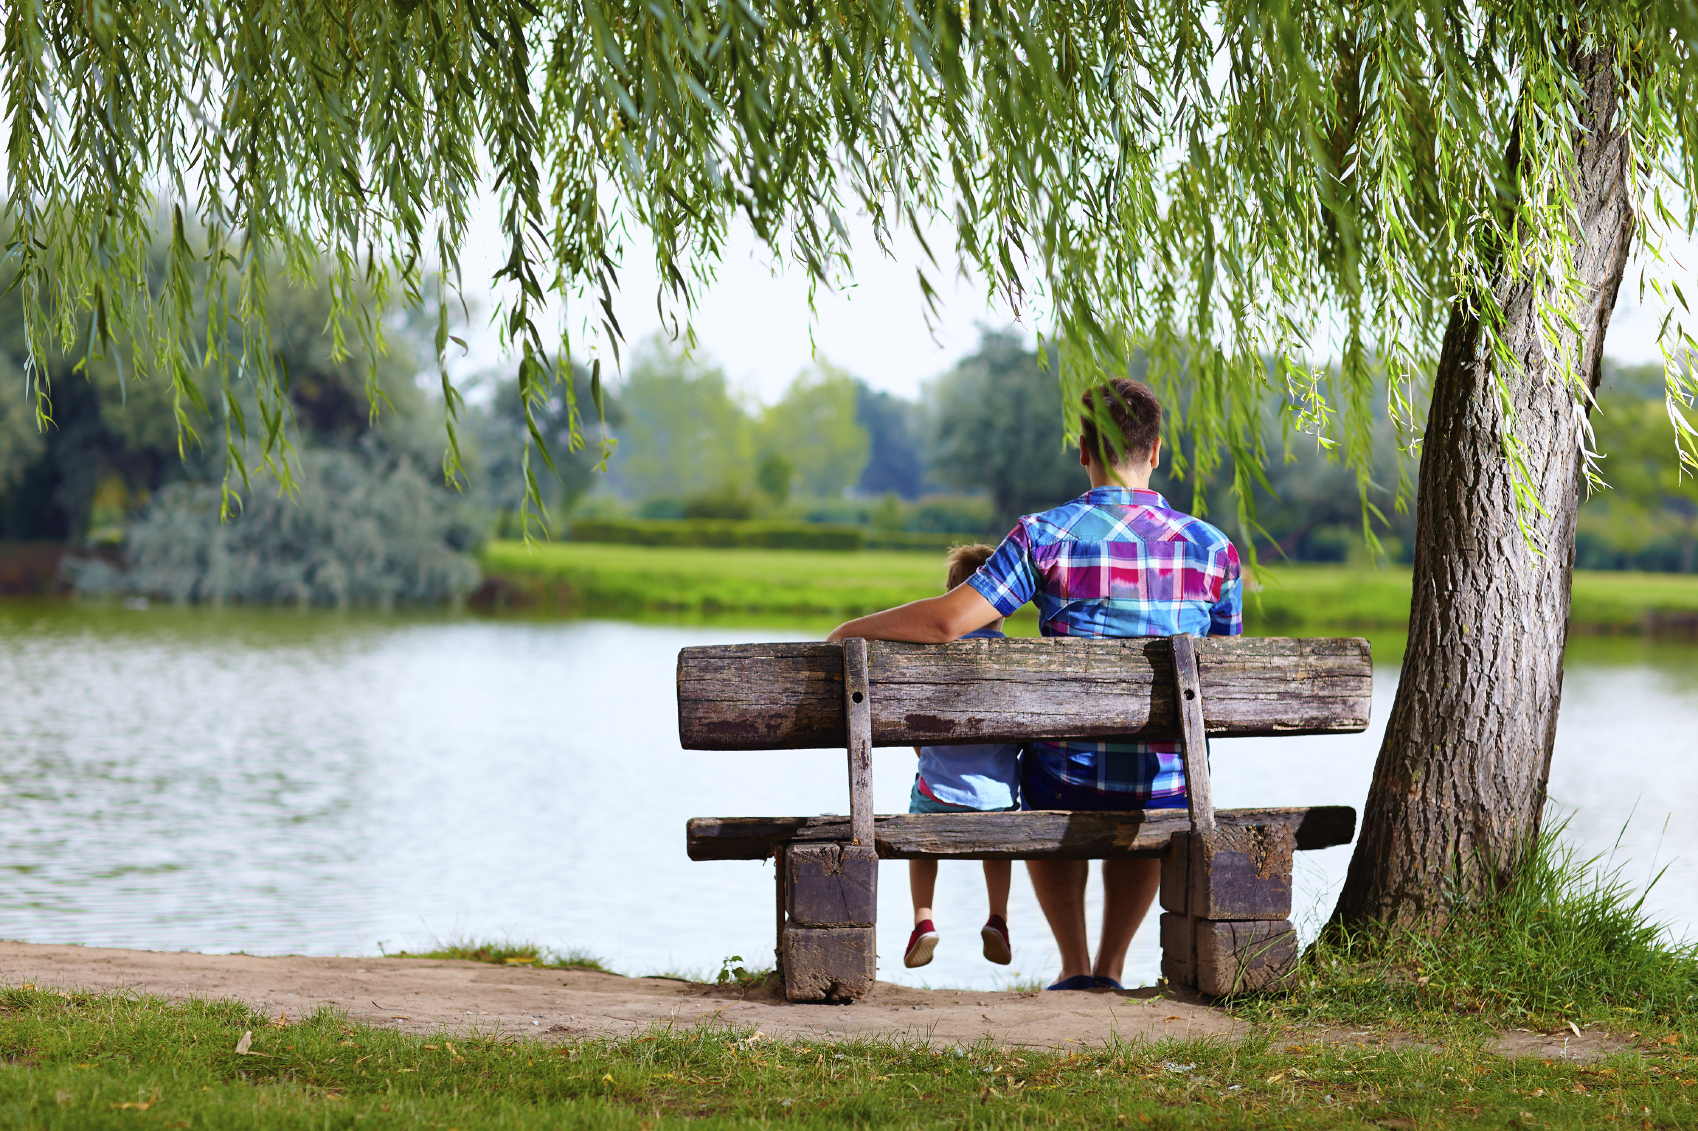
{"points": [[287, 782]]}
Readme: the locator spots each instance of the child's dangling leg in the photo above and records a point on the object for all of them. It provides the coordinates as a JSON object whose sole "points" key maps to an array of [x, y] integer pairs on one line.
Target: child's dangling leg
{"points": [[995, 930], [922, 882]]}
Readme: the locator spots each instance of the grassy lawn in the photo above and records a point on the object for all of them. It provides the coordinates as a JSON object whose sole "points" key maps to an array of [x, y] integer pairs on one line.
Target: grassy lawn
{"points": [[76, 1061], [827, 586], [1568, 945]]}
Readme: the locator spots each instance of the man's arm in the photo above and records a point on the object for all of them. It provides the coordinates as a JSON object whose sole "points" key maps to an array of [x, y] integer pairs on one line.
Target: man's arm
{"points": [[933, 620]]}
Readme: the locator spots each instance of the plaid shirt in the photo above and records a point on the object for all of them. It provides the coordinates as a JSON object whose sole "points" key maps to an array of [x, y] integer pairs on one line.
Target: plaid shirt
{"points": [[1117, 562]]}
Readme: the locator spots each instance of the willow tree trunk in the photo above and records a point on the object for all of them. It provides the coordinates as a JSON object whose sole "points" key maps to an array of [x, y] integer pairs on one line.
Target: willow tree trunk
{"points": [[1459, 787]]}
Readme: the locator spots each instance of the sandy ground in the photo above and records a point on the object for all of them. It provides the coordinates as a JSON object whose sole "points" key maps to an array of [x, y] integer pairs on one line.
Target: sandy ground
{"points": [[427, 996]]}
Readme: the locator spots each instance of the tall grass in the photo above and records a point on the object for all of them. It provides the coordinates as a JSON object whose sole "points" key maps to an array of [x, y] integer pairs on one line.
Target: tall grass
{"points": [[1570, 941], [510, 953]]}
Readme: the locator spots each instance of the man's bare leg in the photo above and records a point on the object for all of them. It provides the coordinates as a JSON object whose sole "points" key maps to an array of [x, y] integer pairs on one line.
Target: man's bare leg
{"points": [[922, 882], [1060, 886], [998, 875], [1129, 887]]}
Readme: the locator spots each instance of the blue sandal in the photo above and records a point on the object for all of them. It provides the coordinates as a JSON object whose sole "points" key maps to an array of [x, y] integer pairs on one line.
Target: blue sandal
{"points": [[1076, 982]]}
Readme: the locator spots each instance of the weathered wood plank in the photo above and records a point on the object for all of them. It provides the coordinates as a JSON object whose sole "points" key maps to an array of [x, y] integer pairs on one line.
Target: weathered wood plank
{"points": [[1188, 702], [858, 711], [1008, 836], [777, 696]]}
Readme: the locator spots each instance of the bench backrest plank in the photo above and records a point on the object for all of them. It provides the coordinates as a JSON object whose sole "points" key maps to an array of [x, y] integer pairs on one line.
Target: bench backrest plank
{"points": [[782, 696]]}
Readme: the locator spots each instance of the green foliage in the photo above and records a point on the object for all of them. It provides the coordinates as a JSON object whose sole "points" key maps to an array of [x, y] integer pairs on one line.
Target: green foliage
{"points": [[75, 1060], [366, 527], [815, 429], [728, 503], [114, 440], [1308, 506], [951, 514], [732, 972], [497, 465], [896, 435], [1568, 941], [684, 433], [687, 437], [999, 429], [774, 476], [714, 531], [1649, 516], [1214, 184]]}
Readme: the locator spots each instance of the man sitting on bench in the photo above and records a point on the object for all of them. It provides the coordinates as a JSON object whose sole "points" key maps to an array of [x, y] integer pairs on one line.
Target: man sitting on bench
{"points": [[1116, 561]]}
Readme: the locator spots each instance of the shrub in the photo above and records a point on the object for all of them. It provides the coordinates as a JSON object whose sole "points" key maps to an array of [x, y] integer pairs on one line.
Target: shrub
{"points": [[935, 541], [367, 527], [724, 503], [720, 534]]}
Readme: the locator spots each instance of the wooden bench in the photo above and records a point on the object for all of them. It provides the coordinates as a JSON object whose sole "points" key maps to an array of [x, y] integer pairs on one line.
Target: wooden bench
{"points": [[1226, 874]]}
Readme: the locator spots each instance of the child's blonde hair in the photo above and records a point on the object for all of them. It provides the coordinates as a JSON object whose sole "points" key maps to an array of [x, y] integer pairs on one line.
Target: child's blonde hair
{"points": [[964, 562]]}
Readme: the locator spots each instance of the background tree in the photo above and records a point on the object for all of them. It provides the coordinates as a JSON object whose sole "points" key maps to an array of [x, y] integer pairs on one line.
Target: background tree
{"points": [[1648, 519], [774, 476], [115, 439], [896, 455], [999, 429], [499, 429], [814, 426], [684, 434], [1214, 184]]}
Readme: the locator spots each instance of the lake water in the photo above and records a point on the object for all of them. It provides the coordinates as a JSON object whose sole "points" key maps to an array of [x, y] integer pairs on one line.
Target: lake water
{"points": [[280, 782]]}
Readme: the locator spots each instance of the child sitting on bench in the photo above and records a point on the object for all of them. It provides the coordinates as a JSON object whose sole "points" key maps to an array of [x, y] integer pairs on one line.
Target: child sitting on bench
{"points": [[964, 779]]}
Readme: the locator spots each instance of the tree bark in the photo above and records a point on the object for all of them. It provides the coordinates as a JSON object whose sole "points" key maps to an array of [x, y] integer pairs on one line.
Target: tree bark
{"points": [[1459, 787]]}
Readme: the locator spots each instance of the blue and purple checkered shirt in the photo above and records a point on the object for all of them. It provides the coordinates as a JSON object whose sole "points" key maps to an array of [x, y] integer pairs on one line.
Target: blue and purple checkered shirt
{"points": [[1117, 562]]}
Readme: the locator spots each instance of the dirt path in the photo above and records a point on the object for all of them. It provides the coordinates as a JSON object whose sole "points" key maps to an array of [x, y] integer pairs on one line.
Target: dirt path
{"points": [[427, 996]]}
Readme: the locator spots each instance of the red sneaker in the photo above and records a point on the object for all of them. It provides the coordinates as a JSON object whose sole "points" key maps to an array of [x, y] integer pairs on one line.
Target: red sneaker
{"points": [[995, 934], [920, 945]]}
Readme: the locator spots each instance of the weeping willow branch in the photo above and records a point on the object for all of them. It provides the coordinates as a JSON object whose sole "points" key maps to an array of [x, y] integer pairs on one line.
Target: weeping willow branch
{"points": [[1211, 184]]}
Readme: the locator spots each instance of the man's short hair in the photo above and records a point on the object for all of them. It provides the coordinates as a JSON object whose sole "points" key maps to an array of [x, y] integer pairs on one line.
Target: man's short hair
{"points": [[1119, 422], [964, 562]]}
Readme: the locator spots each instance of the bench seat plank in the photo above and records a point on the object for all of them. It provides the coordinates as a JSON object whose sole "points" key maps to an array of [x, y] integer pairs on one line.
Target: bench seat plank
{"points": [[1050, 835], [790, 696]]}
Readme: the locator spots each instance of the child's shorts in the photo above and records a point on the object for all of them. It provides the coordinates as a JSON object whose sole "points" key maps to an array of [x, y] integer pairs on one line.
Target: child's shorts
{"points": [[920, 803]]}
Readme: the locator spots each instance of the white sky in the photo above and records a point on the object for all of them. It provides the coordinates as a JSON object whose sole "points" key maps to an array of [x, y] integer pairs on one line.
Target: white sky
{"points": [[755, 323]]}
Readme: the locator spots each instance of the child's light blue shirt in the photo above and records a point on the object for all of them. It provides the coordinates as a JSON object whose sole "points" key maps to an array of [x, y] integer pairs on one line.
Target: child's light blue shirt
{"points": [[983, 777]]}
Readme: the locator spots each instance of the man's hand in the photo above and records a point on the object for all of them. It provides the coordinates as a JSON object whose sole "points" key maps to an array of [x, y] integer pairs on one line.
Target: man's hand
{"points": [[931, 621]]}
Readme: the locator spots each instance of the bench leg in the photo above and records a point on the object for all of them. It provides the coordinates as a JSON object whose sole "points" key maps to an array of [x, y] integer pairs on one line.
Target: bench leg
{"points": [[1227, 894], [778, 862], [827, 937], [1223, 958]]}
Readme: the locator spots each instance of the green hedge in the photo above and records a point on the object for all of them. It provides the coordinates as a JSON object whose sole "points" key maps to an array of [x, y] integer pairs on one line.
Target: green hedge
{"points": [[932, 540], [719, 533], [755, 535]]}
